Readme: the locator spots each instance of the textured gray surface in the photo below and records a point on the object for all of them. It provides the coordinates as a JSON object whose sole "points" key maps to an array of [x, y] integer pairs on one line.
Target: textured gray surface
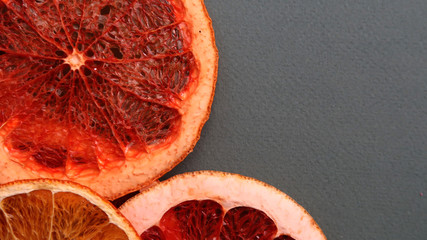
{"points": [[327, 101]]}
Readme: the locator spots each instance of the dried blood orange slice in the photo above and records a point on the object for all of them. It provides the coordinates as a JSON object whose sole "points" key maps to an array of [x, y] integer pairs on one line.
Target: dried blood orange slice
{"points": [[110, 94], [52, 209], [217, 205]]}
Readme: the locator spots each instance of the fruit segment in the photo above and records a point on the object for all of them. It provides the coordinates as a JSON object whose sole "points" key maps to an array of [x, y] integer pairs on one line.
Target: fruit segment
{"points": [[161, 80], [75, 216], [21, 83], [21, 37], [5, 231], [44, 18], [192, 220], [98, 18], [71, 19], [118, 45], [23, 211], [247, 223]]}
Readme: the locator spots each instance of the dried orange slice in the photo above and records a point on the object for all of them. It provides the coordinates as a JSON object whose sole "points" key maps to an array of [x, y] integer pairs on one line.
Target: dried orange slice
{"points": [[51, 209], [217, 205], [111, 94]]}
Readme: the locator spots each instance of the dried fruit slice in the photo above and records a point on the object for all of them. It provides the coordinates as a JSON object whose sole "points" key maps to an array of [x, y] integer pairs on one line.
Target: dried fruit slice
{"points": [[52, 209], [111, 94], [216, 205]]}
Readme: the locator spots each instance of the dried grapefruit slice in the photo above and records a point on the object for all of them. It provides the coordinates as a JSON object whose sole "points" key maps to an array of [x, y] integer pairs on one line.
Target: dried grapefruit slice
{"points": [[111, 94], [217, 205], [52, 209]]}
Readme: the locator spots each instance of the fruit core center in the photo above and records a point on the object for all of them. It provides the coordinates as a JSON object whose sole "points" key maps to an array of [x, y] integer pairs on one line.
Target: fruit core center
{"points": [[75, 60]]}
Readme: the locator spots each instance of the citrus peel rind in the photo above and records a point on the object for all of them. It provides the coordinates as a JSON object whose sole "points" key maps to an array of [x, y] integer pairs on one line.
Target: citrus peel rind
{"points": [[229, 190]]}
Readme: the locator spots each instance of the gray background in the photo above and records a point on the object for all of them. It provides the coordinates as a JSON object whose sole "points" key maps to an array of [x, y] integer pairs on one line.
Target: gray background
{"points": [[327, 101]]}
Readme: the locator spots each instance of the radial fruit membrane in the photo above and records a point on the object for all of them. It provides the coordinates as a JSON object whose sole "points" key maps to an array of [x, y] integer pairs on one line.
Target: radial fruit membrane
{"points": [[216, 205], [86, 85]]}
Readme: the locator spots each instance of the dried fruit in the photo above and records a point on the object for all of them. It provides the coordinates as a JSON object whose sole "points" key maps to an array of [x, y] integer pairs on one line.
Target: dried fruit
{"points": [[216, 205], [110, 94], [51, 209]]}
